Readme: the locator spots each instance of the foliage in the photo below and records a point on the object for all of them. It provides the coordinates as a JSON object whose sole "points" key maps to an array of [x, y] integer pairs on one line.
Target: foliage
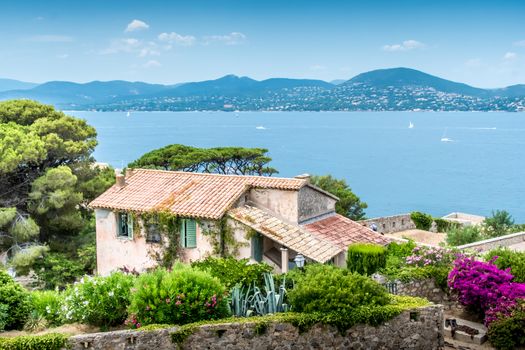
{"points": [[509, 259], [366, 259], [332, 289], [231, 271], [183, 295], [47, 178], [35, 322], [464, 235], [99, 301], [482, 286], [499, 224], [401, 250], [444, 225], [51, 341], [245, 302], [17, 300], [508, 333], [366, 314], [4, 313], [421, 220], [49, 305], [349, 204], [219, 160], [436, 256], [58, 270]]}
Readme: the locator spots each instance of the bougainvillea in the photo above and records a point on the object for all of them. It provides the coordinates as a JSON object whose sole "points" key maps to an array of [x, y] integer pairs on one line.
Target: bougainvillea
{"points": [[485, 288]]}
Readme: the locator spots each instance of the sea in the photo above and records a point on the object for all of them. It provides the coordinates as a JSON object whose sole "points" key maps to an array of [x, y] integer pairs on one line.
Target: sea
{"points": [[471, 162]]}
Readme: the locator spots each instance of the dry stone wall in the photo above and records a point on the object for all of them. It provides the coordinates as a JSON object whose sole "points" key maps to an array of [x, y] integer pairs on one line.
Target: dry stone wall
{"points": [[420, 328]]}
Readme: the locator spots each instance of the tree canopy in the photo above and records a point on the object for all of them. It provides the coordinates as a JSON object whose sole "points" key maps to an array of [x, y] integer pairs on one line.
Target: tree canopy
{"points": [[47, 175], [219, 160], [349, 204]]}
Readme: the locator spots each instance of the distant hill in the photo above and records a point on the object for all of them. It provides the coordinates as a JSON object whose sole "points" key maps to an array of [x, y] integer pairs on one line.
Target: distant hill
{"points": [[395, 89], [338, 81], [406, 77], [63, 92], [232, 85], [10, 84]]}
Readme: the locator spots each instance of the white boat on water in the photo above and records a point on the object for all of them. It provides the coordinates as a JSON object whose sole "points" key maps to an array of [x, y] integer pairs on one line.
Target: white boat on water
{"points": [[444, 138], [128, 114], [260, 127], [410, 125]]}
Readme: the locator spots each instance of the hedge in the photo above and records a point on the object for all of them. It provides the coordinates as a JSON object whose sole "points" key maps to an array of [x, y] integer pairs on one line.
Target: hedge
{"points": [[365, 258], [51, 341]]}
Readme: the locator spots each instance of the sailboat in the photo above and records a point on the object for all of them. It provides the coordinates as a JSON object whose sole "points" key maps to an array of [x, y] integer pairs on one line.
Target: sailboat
{"points": [[128, 114], [410, 125], [444, 138]]}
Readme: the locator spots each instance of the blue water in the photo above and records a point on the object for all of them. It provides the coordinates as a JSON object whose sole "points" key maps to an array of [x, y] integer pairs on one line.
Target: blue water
{"points": [[393, 168]]}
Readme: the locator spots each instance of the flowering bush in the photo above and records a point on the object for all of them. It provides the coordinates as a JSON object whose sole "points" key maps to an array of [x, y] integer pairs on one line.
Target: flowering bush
{"points": [[100, 301], [509, 332], [425, 256], [181, 296], [485, 288], [48, 304]]}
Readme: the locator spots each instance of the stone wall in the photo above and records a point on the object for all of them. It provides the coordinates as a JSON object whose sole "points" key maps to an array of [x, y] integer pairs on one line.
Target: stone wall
{"points": [[502, 241], [420, 328], [427, 288], [312, 204], [391, 224]]}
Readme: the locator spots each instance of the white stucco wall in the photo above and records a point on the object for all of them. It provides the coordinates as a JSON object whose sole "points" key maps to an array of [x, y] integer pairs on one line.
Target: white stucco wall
{"points": [[115, 252], [282, 204]]}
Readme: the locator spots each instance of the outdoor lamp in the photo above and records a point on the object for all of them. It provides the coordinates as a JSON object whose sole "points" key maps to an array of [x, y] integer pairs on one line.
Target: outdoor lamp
{"points": [[299, 261]]}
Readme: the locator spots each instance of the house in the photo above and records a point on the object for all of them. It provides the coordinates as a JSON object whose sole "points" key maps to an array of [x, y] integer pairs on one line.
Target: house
{"points": [[266, 219]]}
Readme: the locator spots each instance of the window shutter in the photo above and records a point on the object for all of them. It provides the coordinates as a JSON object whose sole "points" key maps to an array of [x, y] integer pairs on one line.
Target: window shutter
{"points": [[257, 247], [191, 234], [130, 225], [183, 233]]}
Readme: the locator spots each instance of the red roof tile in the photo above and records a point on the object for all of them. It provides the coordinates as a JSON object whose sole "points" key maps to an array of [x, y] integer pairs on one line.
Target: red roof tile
{"points": [[342, 231], [186, 194]]}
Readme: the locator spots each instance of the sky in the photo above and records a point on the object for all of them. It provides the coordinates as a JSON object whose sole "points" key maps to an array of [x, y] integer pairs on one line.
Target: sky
{"points": [[481, 43]]}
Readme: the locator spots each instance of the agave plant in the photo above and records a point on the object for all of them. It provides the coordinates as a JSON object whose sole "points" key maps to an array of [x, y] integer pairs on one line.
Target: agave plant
{"points": [[269, 301]]}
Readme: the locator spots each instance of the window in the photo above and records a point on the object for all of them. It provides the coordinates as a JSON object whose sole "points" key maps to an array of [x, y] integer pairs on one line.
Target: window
{"points": [[125, 225], [152, 232], [188, 233]]}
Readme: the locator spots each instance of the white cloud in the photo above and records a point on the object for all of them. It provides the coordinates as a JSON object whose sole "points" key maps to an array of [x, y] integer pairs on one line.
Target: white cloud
{"points": [[135, 25], [406, 45], [510, 56], [63, 56], [175, 38], [122, 45], [152, 64], [49, 38], [234, 38], [520, 43], [317, 67]]}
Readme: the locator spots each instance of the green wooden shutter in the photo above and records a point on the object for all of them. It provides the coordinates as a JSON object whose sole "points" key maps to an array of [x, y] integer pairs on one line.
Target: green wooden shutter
{"points": [[257, 247], [130, 225], [191, 234]]}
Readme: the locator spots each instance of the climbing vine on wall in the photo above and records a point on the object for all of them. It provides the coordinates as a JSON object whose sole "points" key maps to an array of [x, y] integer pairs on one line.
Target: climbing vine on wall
{"points": [[222, 238]]}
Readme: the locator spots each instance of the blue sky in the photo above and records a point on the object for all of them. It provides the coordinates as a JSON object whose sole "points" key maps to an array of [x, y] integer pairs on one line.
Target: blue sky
{"points": [[478, 42]]}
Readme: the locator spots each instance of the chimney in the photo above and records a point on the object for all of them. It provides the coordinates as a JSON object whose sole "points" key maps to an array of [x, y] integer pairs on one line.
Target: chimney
{"points": [[129, 172], [121, 180], [303, 177]]}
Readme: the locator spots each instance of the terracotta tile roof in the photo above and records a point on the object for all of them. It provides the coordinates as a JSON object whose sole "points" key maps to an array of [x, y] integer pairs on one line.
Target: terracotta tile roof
{"points": [[291, 236], [185, 194], [342, 231]]}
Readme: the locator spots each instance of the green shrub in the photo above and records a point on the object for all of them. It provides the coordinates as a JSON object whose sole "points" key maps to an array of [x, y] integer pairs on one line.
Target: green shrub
{"points": [[48, 304], [401, 250], [35, 322], [16, 298], [443, 225], [464, 235], [3, 316], [52, 341], [365, 259], [508, 333], [181, 296], [509, 259], [99, 301], [325, 288], [58, 270], [421, 220], [499, 224], [231, 271]]}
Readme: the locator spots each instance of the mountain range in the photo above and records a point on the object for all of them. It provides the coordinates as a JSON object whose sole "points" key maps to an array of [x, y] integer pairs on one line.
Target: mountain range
{"points": [[383, 89]]}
